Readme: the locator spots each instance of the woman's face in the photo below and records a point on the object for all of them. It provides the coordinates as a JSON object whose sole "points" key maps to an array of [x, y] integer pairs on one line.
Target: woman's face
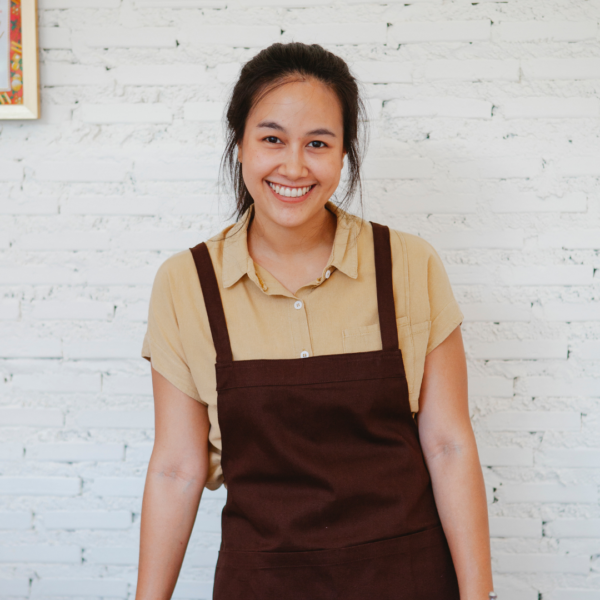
{"points": [[292, 152]]}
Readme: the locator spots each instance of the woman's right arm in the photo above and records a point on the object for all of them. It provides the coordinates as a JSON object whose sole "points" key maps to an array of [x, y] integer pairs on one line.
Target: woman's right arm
{"points": [[176, 476]]}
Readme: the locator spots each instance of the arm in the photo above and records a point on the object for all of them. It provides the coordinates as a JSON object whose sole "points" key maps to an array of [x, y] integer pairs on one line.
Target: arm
{"points": [[176, 475], [451, 456]]}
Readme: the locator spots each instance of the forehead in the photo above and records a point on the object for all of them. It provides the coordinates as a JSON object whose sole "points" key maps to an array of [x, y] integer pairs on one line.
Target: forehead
{"points": [[299, 102]]}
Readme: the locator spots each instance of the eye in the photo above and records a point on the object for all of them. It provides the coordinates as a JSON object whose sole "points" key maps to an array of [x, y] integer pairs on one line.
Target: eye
{"points": [[271, 139], [321, 144]]}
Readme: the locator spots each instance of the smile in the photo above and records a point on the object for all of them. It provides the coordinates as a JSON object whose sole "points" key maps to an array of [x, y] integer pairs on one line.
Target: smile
{"points": [[290, 192]]}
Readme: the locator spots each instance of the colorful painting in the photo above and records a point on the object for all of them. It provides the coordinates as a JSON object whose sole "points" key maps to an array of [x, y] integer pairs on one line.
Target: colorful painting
{"points": [[11, 53]]}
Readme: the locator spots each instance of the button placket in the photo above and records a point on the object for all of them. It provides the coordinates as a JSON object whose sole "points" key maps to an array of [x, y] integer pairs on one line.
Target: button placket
{"points": [[300, 329]]}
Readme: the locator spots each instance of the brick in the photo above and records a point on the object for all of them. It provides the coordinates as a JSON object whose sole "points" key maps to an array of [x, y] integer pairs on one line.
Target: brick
{"points": [[569, 311], [55, 114], [193, 589], [119, 419], [554, 31], [111, 205], [53, 4], [237, 36], [279, 3], [118, 276], [9, 310], [87, 519], [573, 594], [56, 383], [139, 453], [29, 206], [111, 555], [116, 348], [125, 113], [201, 558], [532, 420], [398, 168], [589, 350], [338, 33], [171, 74], [573, 528], [446, 203], [15, 520], [515, 589], [517, 349], [53, 38], [127, 384], [559, 457], [468, 275], [157, 240], [11, 170], [40, 554], [57, 74], [550, 492], [577, 238], [549, 386], [176, 170], [551, 108], [36, 275], [74, 451], [64, 240], [491, 386], [203, 111], [439, 31], [200, 204], [541, 563], [496, 312], [31, 417], [554, 275], [129, 37], [496, 168], [505, 457], [114, 588], [477, 239], [228, 72], [119, 486], [15, 587], [504, 527], [561, 68], [30, 347], [82, 170], [11, 450], [79, 310], [182, 3], [40, 486], [440, 107], [579, 166], [472, 70], [382, 72], [530, 202]]}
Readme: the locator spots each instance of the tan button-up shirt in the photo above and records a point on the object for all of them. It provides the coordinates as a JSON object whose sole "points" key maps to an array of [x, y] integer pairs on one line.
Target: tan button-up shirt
{"points": [[335, 314]]}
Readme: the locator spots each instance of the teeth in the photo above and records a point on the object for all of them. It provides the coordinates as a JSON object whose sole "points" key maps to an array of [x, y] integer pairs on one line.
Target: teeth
{"points": [[289, 192]]}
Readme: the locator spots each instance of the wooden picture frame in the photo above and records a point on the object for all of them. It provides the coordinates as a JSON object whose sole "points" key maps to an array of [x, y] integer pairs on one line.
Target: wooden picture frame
{"points": [[19, 62]]}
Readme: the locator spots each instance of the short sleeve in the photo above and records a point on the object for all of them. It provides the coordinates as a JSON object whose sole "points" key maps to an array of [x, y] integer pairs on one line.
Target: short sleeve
{"points": [[162, 343], [444, 311]]}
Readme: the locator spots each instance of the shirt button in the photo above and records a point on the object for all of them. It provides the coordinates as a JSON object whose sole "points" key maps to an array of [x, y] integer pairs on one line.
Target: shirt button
{"points": [[304, 354], [298, 305], [327, 274]]}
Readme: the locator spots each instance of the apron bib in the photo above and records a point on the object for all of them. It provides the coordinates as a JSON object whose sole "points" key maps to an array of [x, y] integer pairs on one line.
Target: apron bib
{"points": [[329, 497]]}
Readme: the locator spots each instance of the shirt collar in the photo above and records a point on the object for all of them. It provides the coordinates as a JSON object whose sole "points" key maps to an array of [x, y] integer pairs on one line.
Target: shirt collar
{"points": [[237, 261]]}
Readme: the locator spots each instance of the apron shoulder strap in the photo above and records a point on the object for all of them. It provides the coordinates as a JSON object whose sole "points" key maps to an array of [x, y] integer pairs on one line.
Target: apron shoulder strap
{"points": [[213, 302], [385, 287]]}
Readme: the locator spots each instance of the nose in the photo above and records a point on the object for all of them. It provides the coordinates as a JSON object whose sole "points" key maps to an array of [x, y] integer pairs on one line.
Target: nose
{"points": [[293, 166]]}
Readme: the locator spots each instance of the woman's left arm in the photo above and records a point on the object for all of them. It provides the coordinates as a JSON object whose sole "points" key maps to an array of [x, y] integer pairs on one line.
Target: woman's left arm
{"points": [[451, 456]]}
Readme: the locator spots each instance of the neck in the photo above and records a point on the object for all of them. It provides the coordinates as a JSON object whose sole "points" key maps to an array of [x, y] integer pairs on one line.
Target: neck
{"points": [[268, 238]]}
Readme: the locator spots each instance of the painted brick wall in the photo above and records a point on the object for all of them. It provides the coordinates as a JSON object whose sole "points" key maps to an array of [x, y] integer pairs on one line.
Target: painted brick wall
{"points": [[485, 140]]}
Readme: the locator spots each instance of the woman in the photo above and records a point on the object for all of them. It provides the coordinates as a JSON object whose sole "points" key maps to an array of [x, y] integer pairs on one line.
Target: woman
{"points": [[321, 336]]}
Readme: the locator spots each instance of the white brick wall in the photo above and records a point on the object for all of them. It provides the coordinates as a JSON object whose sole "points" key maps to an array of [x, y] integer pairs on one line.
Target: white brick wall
{"points": [[485, 121]]}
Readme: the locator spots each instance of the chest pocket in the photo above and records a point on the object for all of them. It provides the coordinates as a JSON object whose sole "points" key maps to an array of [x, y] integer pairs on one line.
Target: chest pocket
{"points": [[413, 341]]}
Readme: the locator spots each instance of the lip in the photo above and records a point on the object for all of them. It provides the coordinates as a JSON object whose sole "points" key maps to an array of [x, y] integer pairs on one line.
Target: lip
{"points": [[287, 199]]}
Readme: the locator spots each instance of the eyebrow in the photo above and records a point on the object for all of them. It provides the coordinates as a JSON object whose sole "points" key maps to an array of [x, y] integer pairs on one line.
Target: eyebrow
{"points": [[278, 127]]}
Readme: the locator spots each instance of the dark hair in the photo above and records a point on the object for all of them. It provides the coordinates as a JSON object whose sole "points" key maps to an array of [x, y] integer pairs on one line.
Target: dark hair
{"points": [[272, 67]]}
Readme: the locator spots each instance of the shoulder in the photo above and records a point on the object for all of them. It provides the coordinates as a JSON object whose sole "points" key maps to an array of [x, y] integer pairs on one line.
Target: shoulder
{"points": [[175, 266], [416, 248]]}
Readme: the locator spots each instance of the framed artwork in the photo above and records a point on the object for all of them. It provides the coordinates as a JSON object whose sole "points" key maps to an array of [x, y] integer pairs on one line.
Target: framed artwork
{"points": [[19, 65]]}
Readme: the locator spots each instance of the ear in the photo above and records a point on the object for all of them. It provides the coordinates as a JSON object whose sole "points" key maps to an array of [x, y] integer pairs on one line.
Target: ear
{"points": [[239, 153]]}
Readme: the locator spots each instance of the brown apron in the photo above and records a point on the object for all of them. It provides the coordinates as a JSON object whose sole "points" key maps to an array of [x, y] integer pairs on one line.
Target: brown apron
{"points": [[329, 497]]}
